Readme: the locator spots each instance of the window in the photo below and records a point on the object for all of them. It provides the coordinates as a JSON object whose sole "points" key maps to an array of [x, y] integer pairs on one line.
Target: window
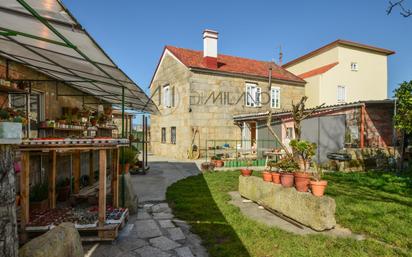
{"points": [[253, 95], [275, 97], [354, 66], [341, 94], [167, 96], [36, 114], [289, 132], [163, 135], [173, 135]]}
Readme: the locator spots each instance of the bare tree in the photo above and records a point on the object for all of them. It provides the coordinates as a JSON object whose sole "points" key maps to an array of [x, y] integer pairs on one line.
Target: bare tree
{"points": [[299, 113], [405, 12], [269, 125]]}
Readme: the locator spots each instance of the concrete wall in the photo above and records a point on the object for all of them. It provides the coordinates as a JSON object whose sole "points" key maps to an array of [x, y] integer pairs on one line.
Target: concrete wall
{"points": [[207, 102]]}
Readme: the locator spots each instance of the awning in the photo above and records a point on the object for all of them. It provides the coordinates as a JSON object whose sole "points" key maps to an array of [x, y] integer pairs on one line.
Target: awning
{"points": [[43, 35]]}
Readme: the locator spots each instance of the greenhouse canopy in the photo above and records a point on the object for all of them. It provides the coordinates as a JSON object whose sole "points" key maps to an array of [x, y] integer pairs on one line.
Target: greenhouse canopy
{"points": [[44, 35]]}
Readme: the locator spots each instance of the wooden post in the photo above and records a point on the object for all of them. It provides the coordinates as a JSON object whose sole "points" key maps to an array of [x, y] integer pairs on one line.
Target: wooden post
{"points": [[115, 177], [25, 188], [91, 168], [52, 179], [76, 171], [102, 187], [362, 128]]}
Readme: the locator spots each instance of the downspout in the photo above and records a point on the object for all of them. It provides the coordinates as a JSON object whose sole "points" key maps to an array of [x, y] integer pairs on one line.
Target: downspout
{"points": [[362, 128]]}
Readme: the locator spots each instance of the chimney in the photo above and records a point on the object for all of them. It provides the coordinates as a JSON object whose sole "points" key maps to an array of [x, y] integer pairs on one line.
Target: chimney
{"points": [[210, 48]]}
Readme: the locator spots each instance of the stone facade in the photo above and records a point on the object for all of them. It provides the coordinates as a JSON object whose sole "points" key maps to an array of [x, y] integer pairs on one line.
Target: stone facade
{"points": [[205, 101]]}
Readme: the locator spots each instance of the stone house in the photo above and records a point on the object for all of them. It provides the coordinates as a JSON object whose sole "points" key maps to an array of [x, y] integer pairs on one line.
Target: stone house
{"points": [[199, 92], [343, 72]]}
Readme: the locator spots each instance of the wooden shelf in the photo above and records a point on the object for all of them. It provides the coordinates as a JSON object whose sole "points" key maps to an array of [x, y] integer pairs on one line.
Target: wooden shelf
{"points": [[6, 89], [64, 129]]}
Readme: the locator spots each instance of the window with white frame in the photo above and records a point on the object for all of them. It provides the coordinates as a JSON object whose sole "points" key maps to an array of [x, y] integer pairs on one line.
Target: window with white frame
{"points": [[167, 101], [289, 132], [275, 97], [354, 66], [341, 94], [253, 96]]}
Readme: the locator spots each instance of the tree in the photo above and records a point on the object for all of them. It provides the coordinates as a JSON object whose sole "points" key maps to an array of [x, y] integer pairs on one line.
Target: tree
{"points": [[403, 117], [405, 12], [299, 113]]}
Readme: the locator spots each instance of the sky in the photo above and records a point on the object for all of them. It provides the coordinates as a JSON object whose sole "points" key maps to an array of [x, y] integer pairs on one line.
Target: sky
{"points": [[134, 33]]}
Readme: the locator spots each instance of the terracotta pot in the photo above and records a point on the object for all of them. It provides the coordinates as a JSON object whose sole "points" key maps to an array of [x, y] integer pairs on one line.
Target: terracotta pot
{"points": [[267, 176], [218, 163], [246, 172], [126, 168], [302, 180], [286, 179], [318, 187], [276, 177]]}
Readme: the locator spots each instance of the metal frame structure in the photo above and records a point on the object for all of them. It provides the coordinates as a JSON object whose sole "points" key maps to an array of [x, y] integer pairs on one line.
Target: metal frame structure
{"points": [[62, 50]]}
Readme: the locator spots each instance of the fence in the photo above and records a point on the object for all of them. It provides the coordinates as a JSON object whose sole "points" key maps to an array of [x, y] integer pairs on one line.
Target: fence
{"points": [[235, 153]]}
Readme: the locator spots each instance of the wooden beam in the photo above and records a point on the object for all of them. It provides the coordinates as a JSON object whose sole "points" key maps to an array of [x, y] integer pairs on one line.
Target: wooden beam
{"points": [[52, 179], [115, 177], [25, 188], [91, 168], [76, 171], [102, 187]]}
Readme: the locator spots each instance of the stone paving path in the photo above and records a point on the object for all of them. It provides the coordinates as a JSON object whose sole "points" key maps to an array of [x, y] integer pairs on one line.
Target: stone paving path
{"points": [[154, 232]]}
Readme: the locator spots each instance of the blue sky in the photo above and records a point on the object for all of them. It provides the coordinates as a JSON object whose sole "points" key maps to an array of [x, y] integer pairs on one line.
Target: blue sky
{"points": [[134, 33]]}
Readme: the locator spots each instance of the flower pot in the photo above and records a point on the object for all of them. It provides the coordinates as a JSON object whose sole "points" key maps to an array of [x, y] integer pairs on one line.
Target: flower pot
{"points": [[218, 163], [318, 187], [276, 177], [267, 176], [41, 205], [246, 172], [126, 168], [302, 180], [286, 179]]}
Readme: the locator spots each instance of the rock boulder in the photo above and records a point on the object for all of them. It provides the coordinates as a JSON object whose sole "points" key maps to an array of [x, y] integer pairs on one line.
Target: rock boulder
{"points": [[305, 208]]}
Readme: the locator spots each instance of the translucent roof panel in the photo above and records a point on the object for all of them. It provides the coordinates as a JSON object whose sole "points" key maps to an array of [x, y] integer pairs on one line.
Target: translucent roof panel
{"points": [[43, 35]]}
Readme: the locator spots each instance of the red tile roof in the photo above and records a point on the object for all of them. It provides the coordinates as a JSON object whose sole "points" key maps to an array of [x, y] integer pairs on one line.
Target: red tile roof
{"points": [[233, 64], [318, 71], [334, 44]]}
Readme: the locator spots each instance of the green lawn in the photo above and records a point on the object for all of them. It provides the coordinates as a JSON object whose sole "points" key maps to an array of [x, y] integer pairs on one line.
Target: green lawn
{"points": [[376, 205]]}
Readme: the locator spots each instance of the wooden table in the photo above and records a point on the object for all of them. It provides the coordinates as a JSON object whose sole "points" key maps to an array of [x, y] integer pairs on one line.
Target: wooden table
{"points": [[75, 146]]}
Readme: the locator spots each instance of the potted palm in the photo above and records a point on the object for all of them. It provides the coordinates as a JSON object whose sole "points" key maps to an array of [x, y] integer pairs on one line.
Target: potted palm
{"points": [[318, 185], [247, 171], [303, 151]]}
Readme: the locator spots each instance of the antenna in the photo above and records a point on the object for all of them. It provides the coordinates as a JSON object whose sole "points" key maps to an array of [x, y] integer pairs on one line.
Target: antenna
{"points": [[280, 55]]}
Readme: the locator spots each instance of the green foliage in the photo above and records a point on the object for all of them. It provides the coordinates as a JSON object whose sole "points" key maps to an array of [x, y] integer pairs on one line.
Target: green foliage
{"points": [[128, 156], [377, 205], [286, 164], [403, 117], [305, 150], [39, 192]]}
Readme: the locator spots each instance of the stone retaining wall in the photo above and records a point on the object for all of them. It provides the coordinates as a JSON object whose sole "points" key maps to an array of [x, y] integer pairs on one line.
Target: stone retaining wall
{"points": [[305, 208]]}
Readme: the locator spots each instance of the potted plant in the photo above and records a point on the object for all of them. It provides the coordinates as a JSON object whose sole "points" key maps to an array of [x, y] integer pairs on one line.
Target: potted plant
{"points": [[266, 174], [217, 160], [287, 165], [275, 174], [246, 171], [318, 185], [93, 121], [303, 151], [63, 190], [39, 196], [127, 158]]}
